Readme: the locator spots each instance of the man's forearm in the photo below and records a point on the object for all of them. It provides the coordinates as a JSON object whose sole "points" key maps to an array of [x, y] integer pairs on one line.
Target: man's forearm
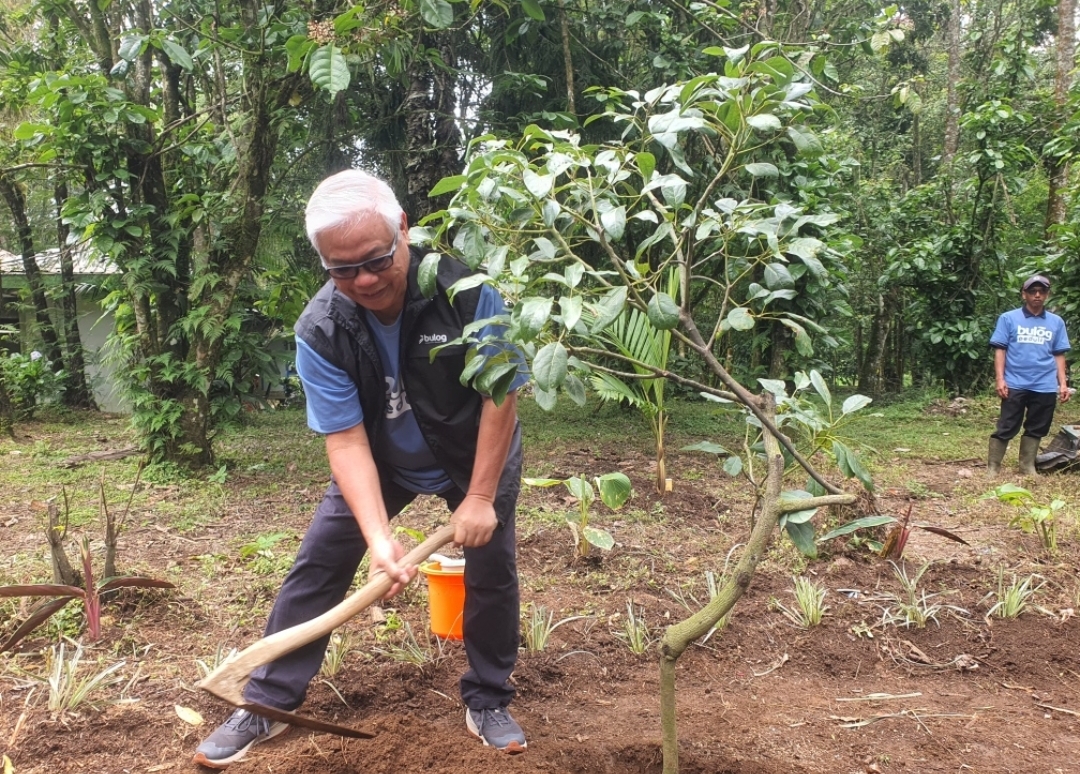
{"points": [[357, 477], [497, 424], [999, 364]]}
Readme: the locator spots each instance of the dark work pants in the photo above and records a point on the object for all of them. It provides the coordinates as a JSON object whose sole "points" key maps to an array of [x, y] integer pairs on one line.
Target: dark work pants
{"points": [[1039, 408], [329, 556]]}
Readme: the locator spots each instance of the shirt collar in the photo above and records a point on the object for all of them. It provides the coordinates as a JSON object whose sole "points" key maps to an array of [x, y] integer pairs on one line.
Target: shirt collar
{"points": [[1027, 312]]}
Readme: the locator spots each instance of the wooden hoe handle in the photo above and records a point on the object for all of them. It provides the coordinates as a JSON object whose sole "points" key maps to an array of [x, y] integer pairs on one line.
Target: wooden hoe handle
{"points": [[228, 680]]}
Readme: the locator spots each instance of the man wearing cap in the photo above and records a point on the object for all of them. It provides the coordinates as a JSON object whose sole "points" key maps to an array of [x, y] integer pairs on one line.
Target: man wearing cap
{"points": [[1029, 367]]}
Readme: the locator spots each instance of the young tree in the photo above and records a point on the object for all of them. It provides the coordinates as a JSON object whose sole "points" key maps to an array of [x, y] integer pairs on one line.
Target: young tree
{"points": [[575, 234]]}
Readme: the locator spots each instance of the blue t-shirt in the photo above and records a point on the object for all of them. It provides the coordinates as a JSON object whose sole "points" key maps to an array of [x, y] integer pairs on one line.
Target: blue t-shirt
{"points": [[1030, 343], [333, 401]]}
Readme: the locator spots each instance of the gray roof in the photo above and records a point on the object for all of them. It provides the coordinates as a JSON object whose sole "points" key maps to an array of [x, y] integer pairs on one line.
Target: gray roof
{"points": [[84, 260]]}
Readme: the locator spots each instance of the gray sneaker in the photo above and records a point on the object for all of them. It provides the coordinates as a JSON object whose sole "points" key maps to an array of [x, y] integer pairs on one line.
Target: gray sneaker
{"points": [[234, 737], [497, 729]]}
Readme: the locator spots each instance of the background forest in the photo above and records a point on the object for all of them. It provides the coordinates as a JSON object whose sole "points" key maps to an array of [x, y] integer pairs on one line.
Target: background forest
{"points": [[924, 147]]}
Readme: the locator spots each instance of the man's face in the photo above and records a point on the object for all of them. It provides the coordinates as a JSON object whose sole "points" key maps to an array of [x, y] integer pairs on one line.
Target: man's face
{"points": [[381, 292], [1035, 297]]}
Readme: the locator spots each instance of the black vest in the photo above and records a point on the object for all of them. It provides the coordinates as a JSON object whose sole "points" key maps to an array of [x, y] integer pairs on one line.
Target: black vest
{"points": [[447, 411]]}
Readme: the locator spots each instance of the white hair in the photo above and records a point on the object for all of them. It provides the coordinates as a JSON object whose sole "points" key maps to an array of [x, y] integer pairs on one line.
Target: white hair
{"points": [[345, 199]]}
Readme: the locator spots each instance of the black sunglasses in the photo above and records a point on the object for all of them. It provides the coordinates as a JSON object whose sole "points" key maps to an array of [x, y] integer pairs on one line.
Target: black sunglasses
{"points": [[373, 265]]}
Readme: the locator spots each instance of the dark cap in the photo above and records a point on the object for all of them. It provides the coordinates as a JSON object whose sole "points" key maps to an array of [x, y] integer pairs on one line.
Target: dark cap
{"points": [[1036, 279]]}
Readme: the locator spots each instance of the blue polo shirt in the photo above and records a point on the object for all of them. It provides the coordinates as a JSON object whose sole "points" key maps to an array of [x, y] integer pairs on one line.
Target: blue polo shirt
{"points": [[333, 401], [1030, 342]]}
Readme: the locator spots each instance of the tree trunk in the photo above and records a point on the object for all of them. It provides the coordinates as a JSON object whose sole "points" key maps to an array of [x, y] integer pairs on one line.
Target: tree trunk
{"points": [[16, 202], [7, 411], [77, 393], [1057, 170], [568, 62], [432, 138], [678, 637], [952, 99]]}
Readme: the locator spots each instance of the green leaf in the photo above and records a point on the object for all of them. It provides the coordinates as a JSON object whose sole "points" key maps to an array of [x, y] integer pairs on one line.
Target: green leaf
{"points": [[549, 366], [762, 169], [427, 274], [545, 399], [614, 222], [131, 47], [805, 140], [614, 489], [778, 276], [802, 535], [575, 389], [581, 489], [447, 185], [177, 53], [532, 9], [864, 523], [531, 315], [570, 306], [609, 308], [706, 446], [855, 402], [598, 537], [764, 122], [437, 13], [821, 387], [28, 131], [538, 185], [733, 465], [740, 319], [541, 481], [663, 312], [328, 70], [646, 164]]}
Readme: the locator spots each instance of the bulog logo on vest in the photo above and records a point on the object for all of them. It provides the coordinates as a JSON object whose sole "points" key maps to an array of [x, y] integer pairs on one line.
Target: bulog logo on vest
{"points": [[432, 338]]}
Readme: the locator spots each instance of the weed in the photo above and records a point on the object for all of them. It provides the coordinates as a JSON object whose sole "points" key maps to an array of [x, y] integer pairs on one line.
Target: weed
{"points": [[206, 666], [539, 627], [914, 607], [810, 604], [614, 489], [264, 560], [1014, 598], [1037, 518], [68, 690], [410, 649], [60, 595], [340, 646], [635, 631]]}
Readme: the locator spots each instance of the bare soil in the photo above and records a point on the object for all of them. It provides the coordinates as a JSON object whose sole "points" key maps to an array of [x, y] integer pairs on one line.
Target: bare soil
{"points": [[762, 696]]}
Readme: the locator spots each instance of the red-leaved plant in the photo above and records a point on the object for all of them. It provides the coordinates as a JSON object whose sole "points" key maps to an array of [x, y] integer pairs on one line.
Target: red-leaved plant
{"points": [[91, 597]]}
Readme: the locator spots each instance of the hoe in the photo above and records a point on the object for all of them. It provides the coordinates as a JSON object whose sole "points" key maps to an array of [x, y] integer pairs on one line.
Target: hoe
{"points": [[228, 680]]}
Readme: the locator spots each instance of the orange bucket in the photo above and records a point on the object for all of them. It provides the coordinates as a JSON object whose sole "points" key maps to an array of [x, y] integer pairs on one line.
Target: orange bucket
{"points": [[446, 598]]}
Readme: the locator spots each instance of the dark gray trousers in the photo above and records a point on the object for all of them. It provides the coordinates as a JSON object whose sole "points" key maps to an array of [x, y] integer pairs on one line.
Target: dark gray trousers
{"points": [[326, 564], [1034, 409]]}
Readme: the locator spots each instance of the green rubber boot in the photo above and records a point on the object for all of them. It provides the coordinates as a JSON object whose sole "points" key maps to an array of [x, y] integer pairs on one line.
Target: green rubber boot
{"points": [[1029, 449], [995, 456]]}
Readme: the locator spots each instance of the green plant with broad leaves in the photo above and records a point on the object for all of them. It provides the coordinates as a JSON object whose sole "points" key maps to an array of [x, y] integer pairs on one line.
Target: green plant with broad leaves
{"points": [[814, 425], [695, 178], [60, 595], [646, 349], [1036, 517], [29, 380], [614, 490]]}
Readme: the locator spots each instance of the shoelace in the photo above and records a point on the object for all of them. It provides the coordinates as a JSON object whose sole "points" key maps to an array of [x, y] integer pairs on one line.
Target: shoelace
{"points": [[496, 716], [242, 719]]}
